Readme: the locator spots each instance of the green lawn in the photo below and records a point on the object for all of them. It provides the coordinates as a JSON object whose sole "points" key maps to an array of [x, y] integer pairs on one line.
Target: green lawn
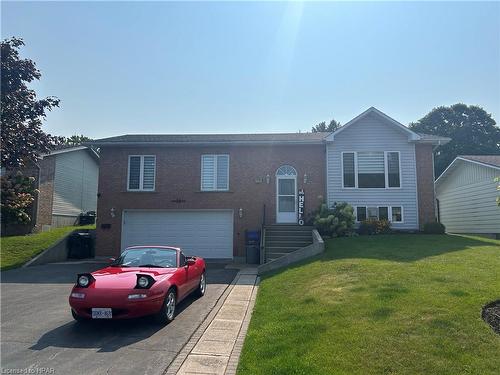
{"points": [[393, 304], [17, 250]]}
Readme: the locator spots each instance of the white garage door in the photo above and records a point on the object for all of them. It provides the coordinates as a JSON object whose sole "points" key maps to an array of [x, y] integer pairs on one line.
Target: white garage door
{"points": [[208, 234]]}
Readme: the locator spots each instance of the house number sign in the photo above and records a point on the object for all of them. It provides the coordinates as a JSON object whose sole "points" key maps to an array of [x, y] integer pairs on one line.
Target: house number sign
{"points": [[301, 203]]}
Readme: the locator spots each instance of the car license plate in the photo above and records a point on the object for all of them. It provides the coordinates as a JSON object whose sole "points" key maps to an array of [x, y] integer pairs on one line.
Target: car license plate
{"points": [[102, 313]]}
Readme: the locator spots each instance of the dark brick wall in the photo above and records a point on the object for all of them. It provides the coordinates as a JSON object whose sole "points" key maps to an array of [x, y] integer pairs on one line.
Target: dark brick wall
{"points": [[178, 178], [425, 183]]}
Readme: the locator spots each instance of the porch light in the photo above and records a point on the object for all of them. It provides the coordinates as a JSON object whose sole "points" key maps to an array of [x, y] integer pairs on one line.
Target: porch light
{"points": [[112, 212], [240, 213], [305, 178], [268, 179]]}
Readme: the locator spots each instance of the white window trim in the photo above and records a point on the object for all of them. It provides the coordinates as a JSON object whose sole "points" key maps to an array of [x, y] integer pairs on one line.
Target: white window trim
{"points": [[386, 171], [389, 213], [355, 169], [141, 173], [215, 172]]}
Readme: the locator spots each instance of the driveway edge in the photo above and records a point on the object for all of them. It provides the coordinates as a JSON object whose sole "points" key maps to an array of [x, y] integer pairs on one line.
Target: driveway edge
{"points": [[234, 359], [176, 364]]}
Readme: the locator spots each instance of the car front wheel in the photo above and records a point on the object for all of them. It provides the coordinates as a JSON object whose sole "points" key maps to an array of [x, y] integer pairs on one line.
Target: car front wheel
{"points": [[167, 312]]}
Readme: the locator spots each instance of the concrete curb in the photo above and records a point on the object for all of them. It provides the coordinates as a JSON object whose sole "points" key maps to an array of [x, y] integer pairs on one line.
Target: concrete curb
{"points": [[317, 247], [176, 364], [234, 359]]}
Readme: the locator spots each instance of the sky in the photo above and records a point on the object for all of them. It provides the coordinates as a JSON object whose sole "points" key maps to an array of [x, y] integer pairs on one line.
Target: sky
{"points": [[233, 67]]}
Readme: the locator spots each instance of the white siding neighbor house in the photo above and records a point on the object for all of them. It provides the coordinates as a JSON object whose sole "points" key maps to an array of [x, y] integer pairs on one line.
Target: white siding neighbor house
{"points": [[68, 186], [382, 169], [466, 195]]}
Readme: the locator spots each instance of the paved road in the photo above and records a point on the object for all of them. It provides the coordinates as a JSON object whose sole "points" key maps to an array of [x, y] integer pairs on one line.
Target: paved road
{"points": [[38, 330]]}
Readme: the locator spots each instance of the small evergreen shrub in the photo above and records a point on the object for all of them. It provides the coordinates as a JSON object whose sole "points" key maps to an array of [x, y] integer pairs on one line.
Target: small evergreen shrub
{"points": [[335, 222], [434, 228]]}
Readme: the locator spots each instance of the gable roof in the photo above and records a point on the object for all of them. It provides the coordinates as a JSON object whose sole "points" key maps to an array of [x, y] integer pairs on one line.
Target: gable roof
{"points": [[62, 149], [490, 161], [211, 139], [412, 136]]}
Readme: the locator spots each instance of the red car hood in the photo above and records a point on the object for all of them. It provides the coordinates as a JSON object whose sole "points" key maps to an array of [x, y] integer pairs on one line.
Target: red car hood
{"points": [[126, 277]]}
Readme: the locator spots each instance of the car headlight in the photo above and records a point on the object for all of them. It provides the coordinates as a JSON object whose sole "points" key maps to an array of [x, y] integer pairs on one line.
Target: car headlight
{"points": [[144, 281], [83, 280]]}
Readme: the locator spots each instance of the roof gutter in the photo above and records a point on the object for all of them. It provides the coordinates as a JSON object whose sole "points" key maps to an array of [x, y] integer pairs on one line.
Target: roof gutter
{"points": [[226, 143]]}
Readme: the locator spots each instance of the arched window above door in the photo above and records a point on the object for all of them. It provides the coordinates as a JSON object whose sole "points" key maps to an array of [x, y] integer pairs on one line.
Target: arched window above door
{"points": [[286, 170]]}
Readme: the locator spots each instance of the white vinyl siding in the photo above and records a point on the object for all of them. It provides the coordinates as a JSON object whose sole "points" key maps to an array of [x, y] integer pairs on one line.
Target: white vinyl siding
{"points": [[141, 173], [204, 233], [75, 183], [214, 172], [371, 134], [467, 199]]}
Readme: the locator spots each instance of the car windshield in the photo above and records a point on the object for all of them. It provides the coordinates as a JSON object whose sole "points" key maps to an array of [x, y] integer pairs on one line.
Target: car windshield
{"points": [[147, 257]]}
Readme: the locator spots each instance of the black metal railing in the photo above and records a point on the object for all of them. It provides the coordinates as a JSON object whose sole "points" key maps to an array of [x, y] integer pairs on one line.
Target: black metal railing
{"points": [[263, 235]]}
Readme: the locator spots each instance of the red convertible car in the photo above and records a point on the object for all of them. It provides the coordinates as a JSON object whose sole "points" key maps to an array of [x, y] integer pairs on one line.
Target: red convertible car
{"points": [[144, 280]]}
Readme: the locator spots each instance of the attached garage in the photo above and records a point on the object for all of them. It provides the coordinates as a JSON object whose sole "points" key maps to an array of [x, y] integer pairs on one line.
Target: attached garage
{"points": [[204, 233]]}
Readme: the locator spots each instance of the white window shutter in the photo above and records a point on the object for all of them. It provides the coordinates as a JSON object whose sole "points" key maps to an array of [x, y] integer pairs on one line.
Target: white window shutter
{"points": [[208, 173], [222, 172], [148, 177]]}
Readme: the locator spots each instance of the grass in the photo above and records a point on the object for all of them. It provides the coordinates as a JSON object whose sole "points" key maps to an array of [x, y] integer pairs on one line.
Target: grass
{"points": [[17, 250], [392, 304]]}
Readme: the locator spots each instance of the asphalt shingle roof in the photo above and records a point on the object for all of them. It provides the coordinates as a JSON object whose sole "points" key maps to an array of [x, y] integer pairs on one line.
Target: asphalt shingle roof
{"points": [[493, 160]]}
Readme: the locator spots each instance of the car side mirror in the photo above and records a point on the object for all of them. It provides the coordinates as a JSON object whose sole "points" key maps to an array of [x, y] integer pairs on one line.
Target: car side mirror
{"points": [[190, 261], [111, 260]]}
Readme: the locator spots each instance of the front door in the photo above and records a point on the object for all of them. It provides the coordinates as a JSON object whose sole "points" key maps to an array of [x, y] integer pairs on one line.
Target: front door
{"points": [[286, 196]]}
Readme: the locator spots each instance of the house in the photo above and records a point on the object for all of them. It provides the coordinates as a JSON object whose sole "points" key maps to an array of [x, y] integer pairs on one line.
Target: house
{"points": [[383, 169], [204, 191], [466, 195], [67, 184]]}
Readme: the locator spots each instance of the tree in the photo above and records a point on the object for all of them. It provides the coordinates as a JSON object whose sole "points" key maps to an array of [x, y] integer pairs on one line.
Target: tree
{"points": [[22, 138], [472, 131], [76, 140], [321, 127]]}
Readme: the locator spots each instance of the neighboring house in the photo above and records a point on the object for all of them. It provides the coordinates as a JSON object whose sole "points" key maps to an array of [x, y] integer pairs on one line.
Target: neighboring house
{"points": [[466, 194], [203, 192], [67, 182]]}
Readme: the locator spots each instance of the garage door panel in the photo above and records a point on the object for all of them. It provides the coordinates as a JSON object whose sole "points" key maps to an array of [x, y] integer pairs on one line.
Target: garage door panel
{"points": [[204, 233]]}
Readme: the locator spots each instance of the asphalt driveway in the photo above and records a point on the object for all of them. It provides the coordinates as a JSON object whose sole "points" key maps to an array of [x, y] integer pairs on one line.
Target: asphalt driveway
{"points": [[39, 332]]}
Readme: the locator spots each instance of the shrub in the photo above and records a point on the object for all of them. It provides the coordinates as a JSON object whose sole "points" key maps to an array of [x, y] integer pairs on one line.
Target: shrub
{"points": [[374, 226], [335, 222], [434, 227]]}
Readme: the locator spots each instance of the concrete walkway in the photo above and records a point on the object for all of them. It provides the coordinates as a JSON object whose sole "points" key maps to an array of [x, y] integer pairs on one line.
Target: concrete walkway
{"points": [[216, 347]]}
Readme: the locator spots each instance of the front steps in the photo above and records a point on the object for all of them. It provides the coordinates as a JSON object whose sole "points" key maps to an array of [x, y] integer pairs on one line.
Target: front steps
{"points": [[281, 239]]}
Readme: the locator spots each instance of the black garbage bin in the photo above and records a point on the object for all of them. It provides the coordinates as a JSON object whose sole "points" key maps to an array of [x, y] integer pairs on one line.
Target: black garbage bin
{"points": [[80, 246], [86, 218], [252, 246]]}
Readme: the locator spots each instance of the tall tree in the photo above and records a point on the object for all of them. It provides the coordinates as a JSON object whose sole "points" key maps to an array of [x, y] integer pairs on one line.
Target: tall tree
{"points": [[22, 137], [76, 139], [322, 127], [472, 131]]}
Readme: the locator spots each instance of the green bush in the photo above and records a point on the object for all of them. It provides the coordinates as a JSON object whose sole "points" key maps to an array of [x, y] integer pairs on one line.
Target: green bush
{"points": [[374, 226], [335, 222], [434, 227]]}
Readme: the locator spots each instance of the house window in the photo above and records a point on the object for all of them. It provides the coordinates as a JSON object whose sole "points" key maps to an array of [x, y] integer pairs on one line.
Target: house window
{"points": [[360, 213], [397, 214], [379, 213], [393, 178], [214, 172], [349, 171], [141, 172], [371, 169]]}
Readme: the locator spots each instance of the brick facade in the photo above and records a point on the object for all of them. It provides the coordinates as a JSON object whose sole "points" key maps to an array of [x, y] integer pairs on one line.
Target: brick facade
{"points": [[425, 183], [177, 187], [46, 192]]}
